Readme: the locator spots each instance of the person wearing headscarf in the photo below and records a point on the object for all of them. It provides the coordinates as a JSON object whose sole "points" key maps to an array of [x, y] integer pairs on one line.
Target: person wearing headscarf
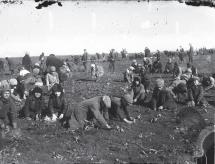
{"points": [[139, 91], [35, 104], [161, 97], [52, 77], [168, 67], [196, 93], [93, 108], [129, 75], [7, 110], [57, 105]]}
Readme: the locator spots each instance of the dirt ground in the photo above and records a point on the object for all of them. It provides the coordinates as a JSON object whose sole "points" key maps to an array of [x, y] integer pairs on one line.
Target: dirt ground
{"points": [[146, 141]]}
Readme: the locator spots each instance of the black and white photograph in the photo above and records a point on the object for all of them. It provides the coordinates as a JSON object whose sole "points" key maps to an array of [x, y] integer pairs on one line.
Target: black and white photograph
{"points": [[107, 81]]}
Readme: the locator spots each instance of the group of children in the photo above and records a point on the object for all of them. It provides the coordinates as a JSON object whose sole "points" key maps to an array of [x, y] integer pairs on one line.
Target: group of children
{"points": [[186, 85]]}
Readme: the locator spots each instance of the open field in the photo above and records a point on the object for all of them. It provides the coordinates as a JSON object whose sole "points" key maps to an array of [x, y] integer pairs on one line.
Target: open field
{"points": [[143, 142]]}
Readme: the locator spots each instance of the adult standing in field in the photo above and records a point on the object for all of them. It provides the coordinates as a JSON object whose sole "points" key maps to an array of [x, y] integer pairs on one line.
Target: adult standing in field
{"points": [[1, 66], [181, 55], [42, 63], [10, 64], [147, 52], [124, 53], [190, 53], [85, 59], [111, 60], [26, 62]]}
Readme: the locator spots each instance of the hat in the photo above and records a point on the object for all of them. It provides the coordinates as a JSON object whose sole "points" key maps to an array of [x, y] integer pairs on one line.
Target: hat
{"points": [[131, 68], [52, 69], [134, 61], [39, 84], [189, 70], [182, 87], [57, 88], [160, 83], [37, 64], [13, 82], [37, 90], [137, 79], [36, 71], [128, 98], [107, 101]]}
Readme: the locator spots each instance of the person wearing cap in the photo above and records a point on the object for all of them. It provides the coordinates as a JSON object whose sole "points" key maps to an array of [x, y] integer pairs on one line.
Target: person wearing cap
{"points": [[57, 105], [139, 91], [196, 93], [119, 107], [35, 105], [7, 110], [52, 77], [93, 108], [161, 97], [169, 67], [128, 75]]}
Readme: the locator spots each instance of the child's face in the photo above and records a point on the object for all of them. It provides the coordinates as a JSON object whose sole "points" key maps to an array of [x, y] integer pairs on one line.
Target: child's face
{"points": [[57, 93], [196, 82], [6, 94], [137, 82], [37, 95]]}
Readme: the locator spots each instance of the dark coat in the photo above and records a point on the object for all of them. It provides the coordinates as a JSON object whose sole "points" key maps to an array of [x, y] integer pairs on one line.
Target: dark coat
{"points": [[7, 111], [52, 60], [162, 98], [34, 106]]}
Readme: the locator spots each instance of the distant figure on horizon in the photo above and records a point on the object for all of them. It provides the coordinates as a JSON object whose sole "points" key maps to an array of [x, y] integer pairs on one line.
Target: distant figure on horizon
{"points": [[190, 53], [84, 59], [10, 64], [111, 60], [26, 61]]}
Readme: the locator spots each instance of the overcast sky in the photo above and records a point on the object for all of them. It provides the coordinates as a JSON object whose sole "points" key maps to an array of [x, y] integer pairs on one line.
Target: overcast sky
{"points": [[100, 26]]}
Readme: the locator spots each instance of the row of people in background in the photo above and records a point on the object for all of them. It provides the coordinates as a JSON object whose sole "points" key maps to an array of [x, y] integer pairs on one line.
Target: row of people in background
{"points": [[186, 85]]}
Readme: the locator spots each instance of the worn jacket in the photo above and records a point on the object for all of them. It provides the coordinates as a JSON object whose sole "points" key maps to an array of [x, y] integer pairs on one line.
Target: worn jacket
{"points": [[57, 104], [162, 98], [93, 106], [195, 93], [34, 105], [7, 110]]}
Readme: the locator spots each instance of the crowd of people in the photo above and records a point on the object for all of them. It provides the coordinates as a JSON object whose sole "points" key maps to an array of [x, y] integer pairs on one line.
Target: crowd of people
{"points": [[34, 83]]}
